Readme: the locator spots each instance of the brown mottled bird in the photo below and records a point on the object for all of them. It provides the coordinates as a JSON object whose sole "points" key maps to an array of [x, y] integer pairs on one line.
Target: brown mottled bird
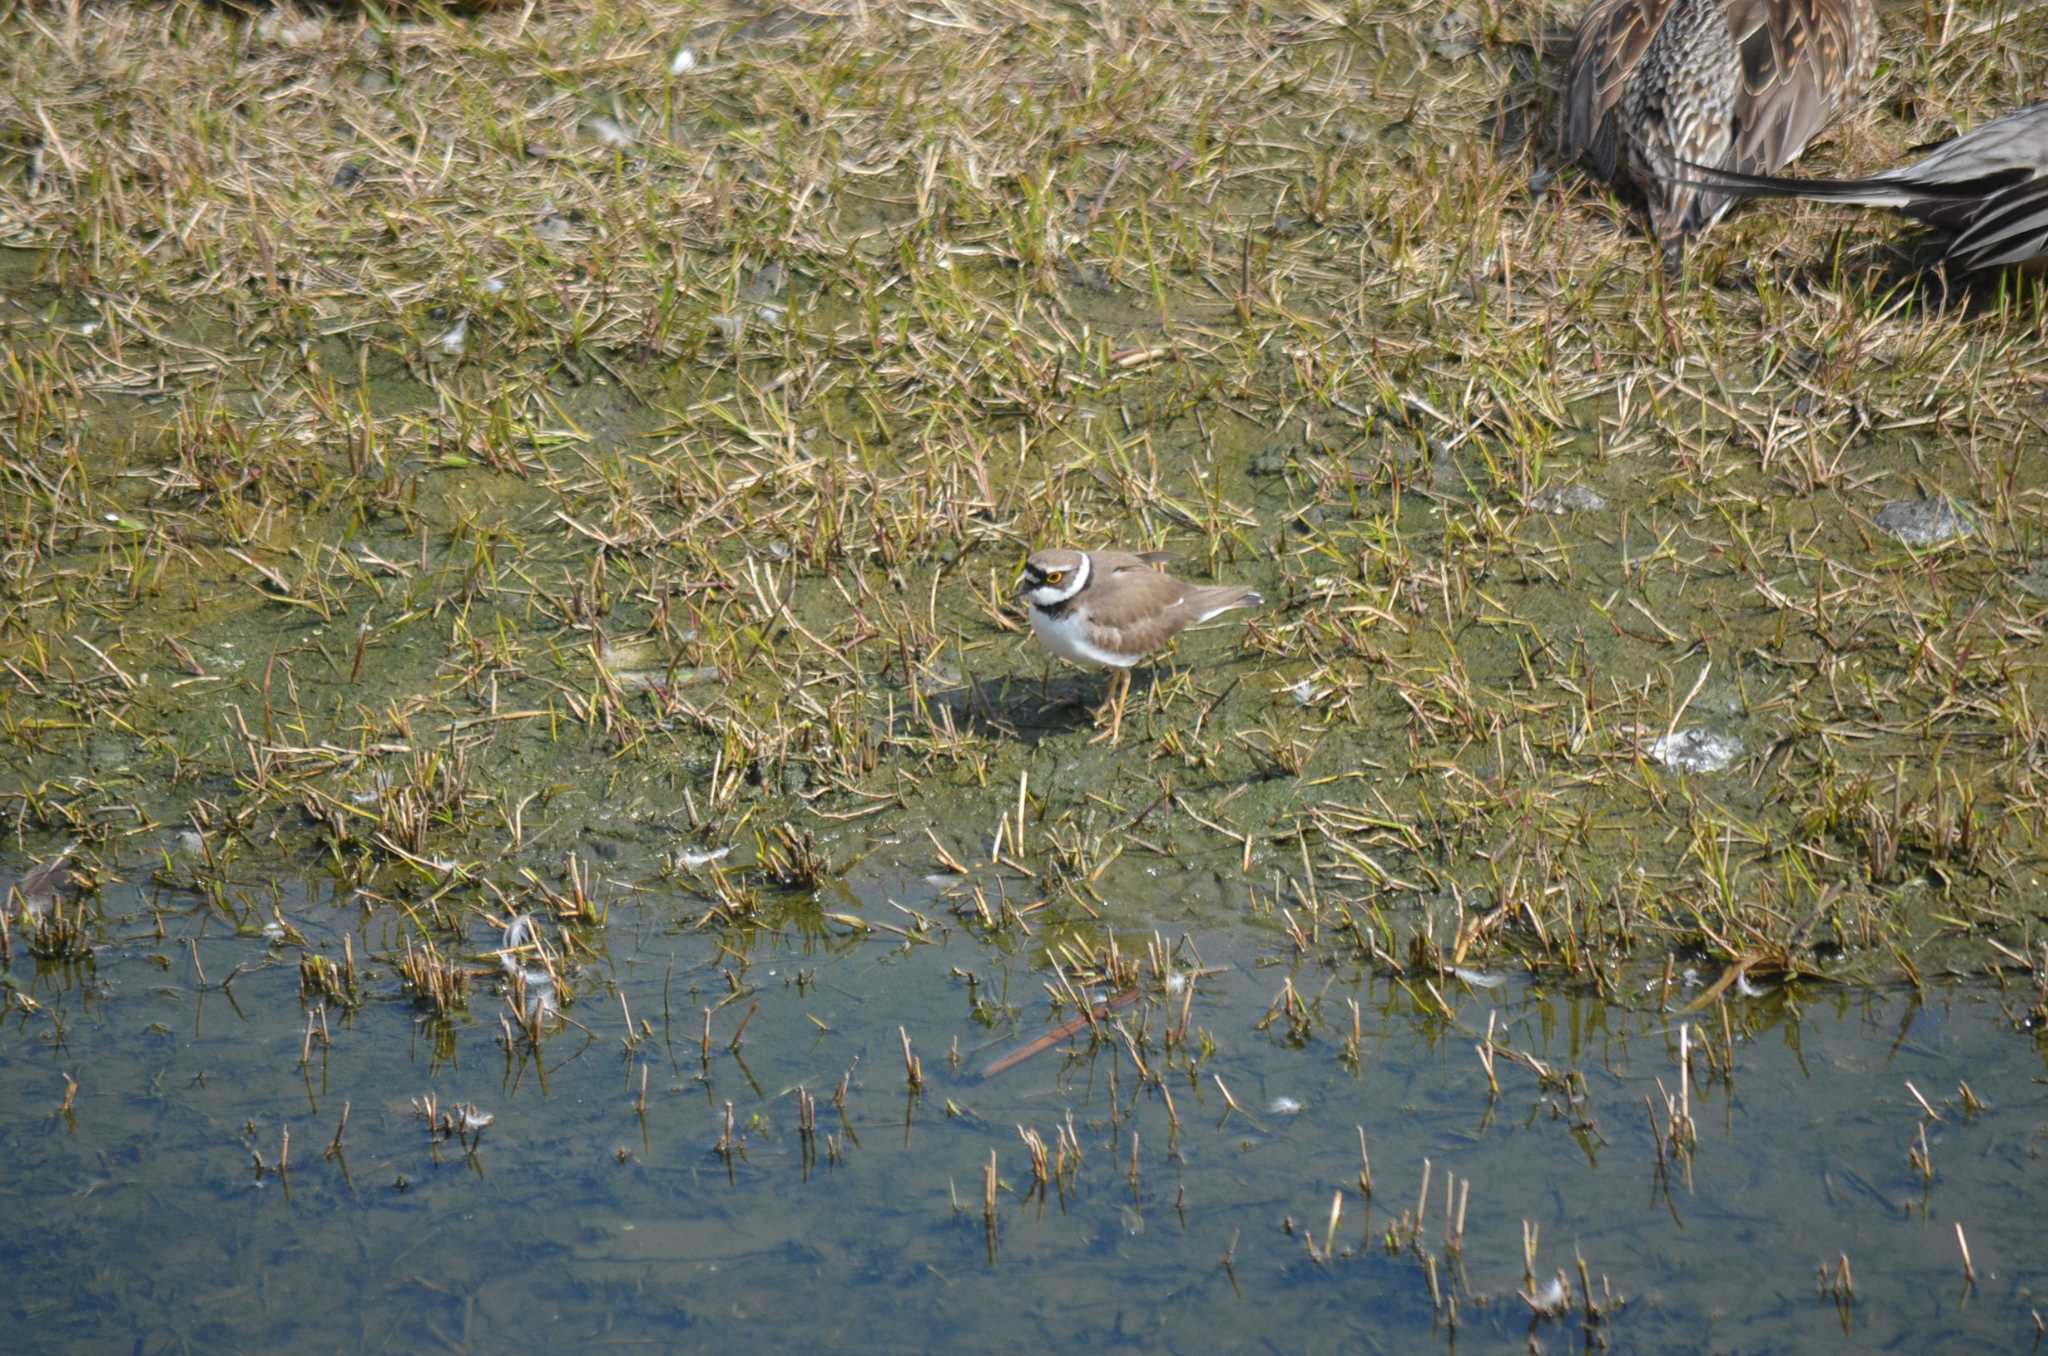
{"points": [[1742, 85], [1113, 608], [1986, 189]]}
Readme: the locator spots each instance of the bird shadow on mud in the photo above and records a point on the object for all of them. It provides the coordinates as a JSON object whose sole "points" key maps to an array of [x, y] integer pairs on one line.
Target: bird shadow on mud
{"points": [[1526, 121], [1909, 274], [1524, 117], [1022, 707], [1028, 708]]}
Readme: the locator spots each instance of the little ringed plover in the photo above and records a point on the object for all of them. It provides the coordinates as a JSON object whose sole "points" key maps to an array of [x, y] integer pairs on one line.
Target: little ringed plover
{"points": [[1113, 608]]}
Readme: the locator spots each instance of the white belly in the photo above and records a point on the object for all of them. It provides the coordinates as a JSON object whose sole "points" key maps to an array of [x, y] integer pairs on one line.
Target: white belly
{"points": [[1067, 637]]}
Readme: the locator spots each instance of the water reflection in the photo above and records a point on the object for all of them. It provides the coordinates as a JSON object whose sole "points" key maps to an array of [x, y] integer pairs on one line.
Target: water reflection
{"points": [[778, 1180]]}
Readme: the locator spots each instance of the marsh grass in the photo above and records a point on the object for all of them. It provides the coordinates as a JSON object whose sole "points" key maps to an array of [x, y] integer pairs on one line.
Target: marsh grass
{"points": [[447, 450]]}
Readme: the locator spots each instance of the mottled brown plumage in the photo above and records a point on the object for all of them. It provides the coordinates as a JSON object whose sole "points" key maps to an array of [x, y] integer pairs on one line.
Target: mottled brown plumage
{"points": [[1987, 190], [1738, 85]]}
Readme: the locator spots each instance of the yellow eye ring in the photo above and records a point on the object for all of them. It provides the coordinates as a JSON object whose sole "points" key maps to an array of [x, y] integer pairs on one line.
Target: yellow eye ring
{"points": [[1054, 576]]}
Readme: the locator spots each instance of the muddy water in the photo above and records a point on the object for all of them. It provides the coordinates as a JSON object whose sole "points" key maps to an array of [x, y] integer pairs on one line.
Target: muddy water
{"points": [[139, 1219]]}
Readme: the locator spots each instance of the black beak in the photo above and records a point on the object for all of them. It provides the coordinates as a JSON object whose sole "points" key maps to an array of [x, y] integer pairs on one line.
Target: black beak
{"points": [[1028, 581]]}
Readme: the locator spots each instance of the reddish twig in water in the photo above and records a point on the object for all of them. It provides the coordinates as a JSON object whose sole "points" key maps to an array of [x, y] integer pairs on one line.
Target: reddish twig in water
{"points": [[1059, 1033]]}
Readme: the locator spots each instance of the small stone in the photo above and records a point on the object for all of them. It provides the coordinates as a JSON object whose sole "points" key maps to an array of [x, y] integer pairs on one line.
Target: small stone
{"points": [[553, 226], [607, 132], [1695, 751], [286, 30], [2033, 580], [1563, 499], [1925, 522], [1090, 277], [767, 285], [453, 340], [1452, 36]]}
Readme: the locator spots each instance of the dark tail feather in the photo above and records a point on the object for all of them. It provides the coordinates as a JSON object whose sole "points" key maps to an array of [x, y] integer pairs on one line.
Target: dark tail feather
{"points": [[2011, 230], [1873, 192]]}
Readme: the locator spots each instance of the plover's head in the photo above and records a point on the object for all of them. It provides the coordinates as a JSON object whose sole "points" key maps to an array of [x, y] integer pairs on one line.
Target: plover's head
{"points": [[1052, 577]]}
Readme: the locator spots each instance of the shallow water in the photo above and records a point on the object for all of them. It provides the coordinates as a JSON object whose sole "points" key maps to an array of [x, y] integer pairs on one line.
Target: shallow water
{"points": [[140, 1220], [770, 374]]}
